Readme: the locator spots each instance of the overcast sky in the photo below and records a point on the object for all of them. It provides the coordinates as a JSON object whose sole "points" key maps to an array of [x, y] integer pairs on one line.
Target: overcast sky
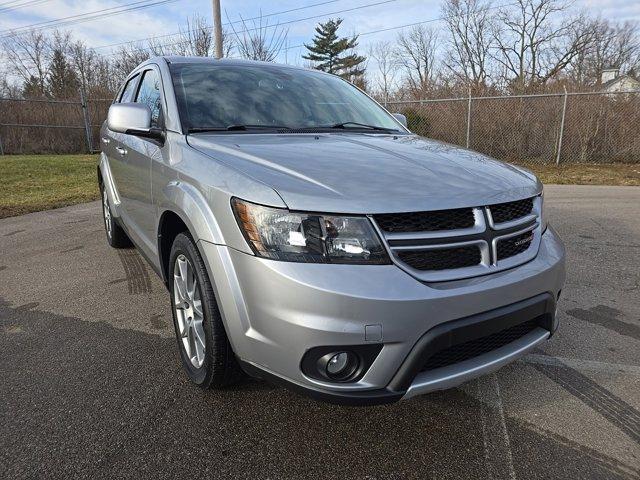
{"points": [[360, 16]]}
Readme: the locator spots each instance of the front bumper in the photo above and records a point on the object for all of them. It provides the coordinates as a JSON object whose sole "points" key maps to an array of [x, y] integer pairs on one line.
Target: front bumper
{"points": [[274, 312]]}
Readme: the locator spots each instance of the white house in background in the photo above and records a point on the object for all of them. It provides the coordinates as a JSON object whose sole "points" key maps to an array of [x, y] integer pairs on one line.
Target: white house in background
{"points": [[612, 81]]}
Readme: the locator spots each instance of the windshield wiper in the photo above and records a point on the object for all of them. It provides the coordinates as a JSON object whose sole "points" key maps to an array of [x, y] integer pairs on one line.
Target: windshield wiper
{"points": [[337, 126], [344, 125], [264, 127], [238, 127], [206, 129]]}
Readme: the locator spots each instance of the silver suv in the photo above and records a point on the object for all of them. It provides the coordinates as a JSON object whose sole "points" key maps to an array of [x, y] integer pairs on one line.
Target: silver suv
{"points": [[307, 237]]}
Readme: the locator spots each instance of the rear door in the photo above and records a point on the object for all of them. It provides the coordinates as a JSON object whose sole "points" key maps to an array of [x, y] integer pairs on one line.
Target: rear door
{"points": [[138, 158]]}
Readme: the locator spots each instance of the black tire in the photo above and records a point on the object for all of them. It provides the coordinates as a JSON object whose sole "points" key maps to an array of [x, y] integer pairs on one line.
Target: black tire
{"points": [[116, 236], [220, 367]]}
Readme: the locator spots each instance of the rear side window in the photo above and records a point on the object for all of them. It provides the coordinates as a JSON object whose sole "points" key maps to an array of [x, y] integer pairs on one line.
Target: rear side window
{"points": [[149, 94], [129, 89]]}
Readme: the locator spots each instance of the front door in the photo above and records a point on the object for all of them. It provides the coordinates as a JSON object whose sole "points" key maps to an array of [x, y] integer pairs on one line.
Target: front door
{"points": [[140, 155], [115, 151]]}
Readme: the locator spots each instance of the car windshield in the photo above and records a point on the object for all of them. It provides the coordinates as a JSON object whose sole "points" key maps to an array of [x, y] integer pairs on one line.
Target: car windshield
{"points": [[244, 97]]}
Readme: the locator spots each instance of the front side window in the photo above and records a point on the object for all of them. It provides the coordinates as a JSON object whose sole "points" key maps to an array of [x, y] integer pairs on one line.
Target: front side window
{"points": [[129, 89], [219, 96], [149, 94]]}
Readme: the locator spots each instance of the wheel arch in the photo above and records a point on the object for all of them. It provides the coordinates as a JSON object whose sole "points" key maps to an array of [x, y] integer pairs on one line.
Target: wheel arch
{"points": [[170, 226], [185, 209]]}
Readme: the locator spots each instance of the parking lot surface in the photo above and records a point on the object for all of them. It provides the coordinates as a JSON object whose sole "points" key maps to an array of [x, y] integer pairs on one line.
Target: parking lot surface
{"points": [[91, 385]]}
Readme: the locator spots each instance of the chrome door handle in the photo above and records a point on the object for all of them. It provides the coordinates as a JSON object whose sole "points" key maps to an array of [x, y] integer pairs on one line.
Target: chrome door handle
{"points": [[106, 141], [121, 151]]}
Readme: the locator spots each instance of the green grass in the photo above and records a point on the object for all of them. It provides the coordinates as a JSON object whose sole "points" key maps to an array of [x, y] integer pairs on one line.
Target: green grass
{"points": [[29, 183]]}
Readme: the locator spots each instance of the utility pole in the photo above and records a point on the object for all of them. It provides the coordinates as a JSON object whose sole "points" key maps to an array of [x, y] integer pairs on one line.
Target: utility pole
{"points": [[217, 28]]}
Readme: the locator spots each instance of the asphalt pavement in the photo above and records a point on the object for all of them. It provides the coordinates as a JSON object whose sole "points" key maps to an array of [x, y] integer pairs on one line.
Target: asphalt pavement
{"points": [[91, 385]]}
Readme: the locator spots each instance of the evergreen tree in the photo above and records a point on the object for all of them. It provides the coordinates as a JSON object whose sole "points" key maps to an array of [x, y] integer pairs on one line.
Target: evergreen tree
{"points": [[62, 81], [332, 52], [32, 88]]}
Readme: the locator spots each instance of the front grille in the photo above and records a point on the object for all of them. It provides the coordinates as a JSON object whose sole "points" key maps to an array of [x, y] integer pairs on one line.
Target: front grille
{"points": [[514, 245], [473, 348], [506, 212], [444, 245], [441, 259], [426, 221]]}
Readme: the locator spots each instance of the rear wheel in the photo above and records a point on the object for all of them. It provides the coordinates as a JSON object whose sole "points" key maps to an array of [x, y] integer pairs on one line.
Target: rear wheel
{"points": [[116, 236], [205, 350]]}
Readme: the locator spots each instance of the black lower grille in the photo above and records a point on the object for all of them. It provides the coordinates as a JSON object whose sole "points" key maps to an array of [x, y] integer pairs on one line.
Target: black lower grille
{"points": [[441, 259], [473, 348], [514, 245]]}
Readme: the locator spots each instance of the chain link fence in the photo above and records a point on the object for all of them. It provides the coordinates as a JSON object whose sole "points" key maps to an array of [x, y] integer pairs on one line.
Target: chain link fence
{"points": [[595, 127], [547, 128], [51, 126]]}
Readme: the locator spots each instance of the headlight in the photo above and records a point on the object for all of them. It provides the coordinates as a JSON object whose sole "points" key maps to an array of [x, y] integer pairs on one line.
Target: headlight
{"points": [[308, 237]]}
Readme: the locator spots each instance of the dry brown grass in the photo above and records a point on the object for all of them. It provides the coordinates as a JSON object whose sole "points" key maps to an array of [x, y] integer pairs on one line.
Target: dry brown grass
{"points": [[588, 173]]}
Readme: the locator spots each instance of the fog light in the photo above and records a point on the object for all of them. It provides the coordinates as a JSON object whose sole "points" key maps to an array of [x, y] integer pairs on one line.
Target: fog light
{"points": [[337, 364]]}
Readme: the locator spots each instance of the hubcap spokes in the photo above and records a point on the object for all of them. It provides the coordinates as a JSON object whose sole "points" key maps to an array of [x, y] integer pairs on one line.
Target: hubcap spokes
{"points": [[188, 305], [107, 213]]}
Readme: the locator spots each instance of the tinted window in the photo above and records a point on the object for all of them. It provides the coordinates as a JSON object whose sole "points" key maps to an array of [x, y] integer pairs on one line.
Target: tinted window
{"points": [[129, 89], [222, 95], [149, 94]]}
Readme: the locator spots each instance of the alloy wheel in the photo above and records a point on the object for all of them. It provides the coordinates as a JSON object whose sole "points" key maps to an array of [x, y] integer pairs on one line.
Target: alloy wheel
{"points": [[188, 306]]}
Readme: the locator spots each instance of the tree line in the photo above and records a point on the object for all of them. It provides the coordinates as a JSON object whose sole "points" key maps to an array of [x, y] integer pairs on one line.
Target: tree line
{"points": [[526, 46]]}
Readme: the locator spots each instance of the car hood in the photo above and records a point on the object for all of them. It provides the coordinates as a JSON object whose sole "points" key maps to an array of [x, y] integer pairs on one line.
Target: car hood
{"points": [[366, 173]]}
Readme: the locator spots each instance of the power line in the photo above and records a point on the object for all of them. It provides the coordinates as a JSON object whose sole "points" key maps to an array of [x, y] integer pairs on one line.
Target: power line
{"points": [[7, 3], [5, 7], [285, 23], [407, 25], [372, 32], [224, 25], [85, 17]]}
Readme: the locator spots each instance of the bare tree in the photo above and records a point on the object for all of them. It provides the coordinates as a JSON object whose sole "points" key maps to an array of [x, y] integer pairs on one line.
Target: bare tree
{"points": [[59, 40], [105, 81], [259, 41], [195, 39], [613, 45], [383, 54], [198, 36], [28, 55], [174, 45], [83, 61], [128, 57], [532, 46], [8, 88], [470, 40], [416, 56]]}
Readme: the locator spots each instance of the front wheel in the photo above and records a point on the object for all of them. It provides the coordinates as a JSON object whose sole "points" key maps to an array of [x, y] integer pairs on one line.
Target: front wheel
{"points": [[206, 353]]}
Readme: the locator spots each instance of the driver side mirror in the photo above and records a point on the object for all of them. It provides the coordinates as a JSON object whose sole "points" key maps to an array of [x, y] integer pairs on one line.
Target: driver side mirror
{"points": [[401, 118], [133, 119]]}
